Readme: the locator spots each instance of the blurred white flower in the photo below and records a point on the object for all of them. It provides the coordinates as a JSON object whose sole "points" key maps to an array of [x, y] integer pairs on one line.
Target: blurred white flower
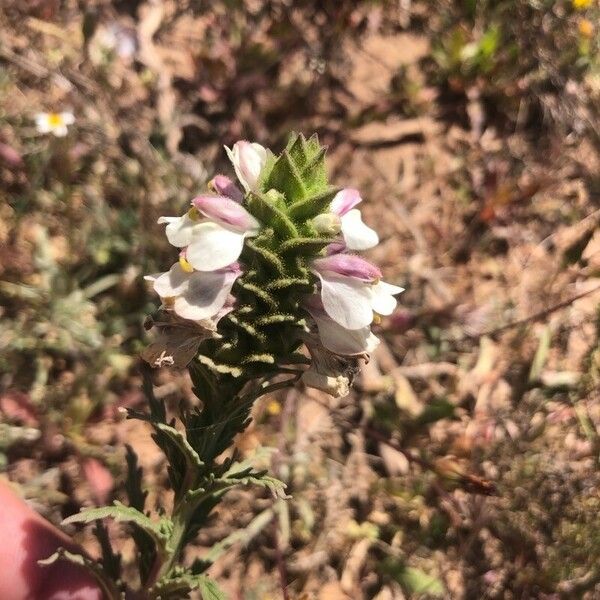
{"points": [[55, 123]]}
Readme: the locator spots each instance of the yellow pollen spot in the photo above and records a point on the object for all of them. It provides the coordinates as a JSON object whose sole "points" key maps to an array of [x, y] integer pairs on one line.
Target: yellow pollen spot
{"points": [[185, 265], [193, 214], [55, 120], [273, 408], [376, 319]]}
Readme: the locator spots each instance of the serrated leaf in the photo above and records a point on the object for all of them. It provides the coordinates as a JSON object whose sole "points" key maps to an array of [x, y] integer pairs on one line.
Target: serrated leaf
{"points": [[263, 207], [159, 530], [209, 589], [313, 205], [305, 246], [107, 584], [286, 178]]}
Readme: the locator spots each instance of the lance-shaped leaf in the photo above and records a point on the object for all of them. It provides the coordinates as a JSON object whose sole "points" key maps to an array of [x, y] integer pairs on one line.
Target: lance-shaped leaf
{"points": [[159, 530], [286, 178], [264, 208], [314, 205]]}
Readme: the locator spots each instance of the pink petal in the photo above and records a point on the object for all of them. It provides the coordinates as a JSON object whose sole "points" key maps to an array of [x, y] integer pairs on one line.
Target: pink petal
{"points": [[225, 187], [226, 212], [348, 265], [344, 201]]}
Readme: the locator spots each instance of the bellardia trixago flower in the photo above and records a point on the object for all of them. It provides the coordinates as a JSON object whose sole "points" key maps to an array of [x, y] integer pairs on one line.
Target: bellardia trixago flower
{"points": [[214, 242], [55, 123], [343, 217], [197, 295], [352, 290], [248, 161]]}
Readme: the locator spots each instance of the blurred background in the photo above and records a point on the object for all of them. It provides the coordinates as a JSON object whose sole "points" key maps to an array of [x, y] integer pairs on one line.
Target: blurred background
{"points": [[464, 464]]}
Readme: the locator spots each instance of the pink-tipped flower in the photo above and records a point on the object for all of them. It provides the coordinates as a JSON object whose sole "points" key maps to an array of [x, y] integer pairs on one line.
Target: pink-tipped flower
{"points": [[248, 161], [216, 242], [225, 187], [344, 218], [351, 291], [195, 296]]}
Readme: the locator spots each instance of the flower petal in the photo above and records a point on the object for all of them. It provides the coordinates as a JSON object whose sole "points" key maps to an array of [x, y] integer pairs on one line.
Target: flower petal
{"points": [[205, 296], [227, 212], [347, 342], [346, 300], [382, 297], [179, 230], [172, 283], [67, 118], [225, 187], [348, 265], [357, 235], [214, 247], [248, 161], [344, 200]]}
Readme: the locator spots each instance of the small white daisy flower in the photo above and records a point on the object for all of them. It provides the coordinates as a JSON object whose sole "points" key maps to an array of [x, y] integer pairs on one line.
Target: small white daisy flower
{"points": [[55, 123]]}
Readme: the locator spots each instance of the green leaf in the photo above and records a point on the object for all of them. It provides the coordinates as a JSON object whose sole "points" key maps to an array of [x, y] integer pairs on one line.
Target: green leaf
{"points": [[209, 590], [286, 178], [415, 581], [264, 208], [314, 205], [159, 530], [435, 411], [305, 246]]}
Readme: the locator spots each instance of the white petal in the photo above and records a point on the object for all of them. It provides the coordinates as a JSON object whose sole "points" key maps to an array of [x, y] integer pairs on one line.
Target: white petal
{"points": [[67, 118], [346, 300], [60, 131], [42, 122], [343, 341], [213, 247], [172, 283], [356, 234], [205, 296], [382, 297], [179, 230]]}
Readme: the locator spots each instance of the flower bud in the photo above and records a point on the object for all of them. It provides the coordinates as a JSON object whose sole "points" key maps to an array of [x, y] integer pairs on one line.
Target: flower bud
{"points": [[248, 161], [327, 224]]}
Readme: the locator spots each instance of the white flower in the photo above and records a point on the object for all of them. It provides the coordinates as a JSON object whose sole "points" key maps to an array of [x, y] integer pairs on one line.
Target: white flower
{"points": [[338, 339], [215, 243], [351, 290], [55, 123], [343, 217], [248, 161], [197, 295]]}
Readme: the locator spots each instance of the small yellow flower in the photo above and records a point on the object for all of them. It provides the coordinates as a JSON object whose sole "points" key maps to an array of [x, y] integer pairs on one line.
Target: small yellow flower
{"points": [[55, 123], [586, 28], [581, 4]]}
